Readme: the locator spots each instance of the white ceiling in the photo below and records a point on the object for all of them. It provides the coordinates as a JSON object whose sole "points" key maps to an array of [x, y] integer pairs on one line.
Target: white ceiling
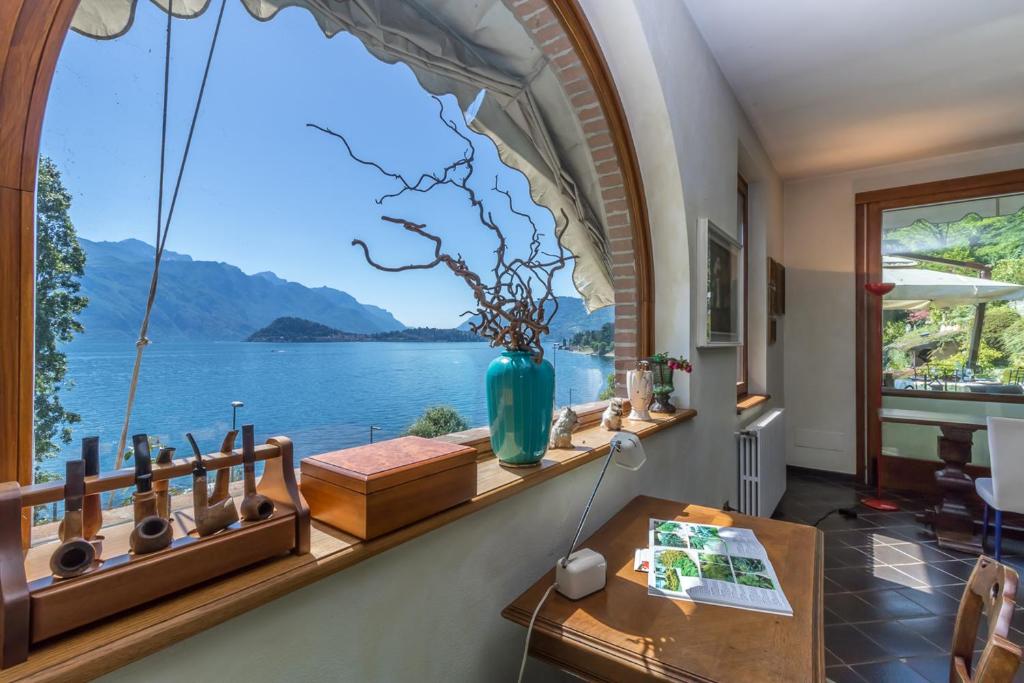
{"points": [[834, 85]]}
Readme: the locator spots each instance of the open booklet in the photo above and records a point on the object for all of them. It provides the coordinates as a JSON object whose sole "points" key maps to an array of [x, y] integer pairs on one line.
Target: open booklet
{"points": [[713, 564]]}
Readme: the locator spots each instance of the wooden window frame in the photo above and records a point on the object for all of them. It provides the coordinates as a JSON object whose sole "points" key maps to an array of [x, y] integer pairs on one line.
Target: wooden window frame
{"points": [[869, 207], [742, 379]]}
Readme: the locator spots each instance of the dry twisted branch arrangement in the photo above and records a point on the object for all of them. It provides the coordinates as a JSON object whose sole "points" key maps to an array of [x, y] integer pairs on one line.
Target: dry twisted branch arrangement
{"points": [[509, 312]]}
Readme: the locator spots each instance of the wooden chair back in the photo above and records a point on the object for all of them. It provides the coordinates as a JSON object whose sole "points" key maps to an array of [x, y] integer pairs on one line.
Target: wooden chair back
{"points": [[991, 590]]}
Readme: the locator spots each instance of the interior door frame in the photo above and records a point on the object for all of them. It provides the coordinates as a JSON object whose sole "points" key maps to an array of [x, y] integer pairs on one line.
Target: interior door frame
{"points": [[868, 268]]}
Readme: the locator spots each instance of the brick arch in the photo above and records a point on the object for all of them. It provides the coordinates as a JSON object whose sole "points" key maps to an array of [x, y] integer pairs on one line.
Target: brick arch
{"points": [[561, 31], [31, 36]]}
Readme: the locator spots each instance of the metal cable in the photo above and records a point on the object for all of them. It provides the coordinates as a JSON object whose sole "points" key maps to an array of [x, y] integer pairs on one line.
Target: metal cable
{"points": [[162, 226]]}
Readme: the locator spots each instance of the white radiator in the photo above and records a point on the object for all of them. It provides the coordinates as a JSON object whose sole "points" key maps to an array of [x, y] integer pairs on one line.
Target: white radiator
{"points": [[761, 447]]}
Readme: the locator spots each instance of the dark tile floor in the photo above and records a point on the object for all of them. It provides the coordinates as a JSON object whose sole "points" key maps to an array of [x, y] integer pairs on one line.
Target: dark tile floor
{"points": [[891, 594]]}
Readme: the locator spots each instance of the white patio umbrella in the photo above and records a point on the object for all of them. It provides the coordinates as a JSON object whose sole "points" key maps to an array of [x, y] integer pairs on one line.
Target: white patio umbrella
{"points": [[919, 288]]}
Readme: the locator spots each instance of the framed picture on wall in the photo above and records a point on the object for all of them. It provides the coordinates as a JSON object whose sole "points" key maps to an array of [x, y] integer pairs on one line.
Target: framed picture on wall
{"points": [[720, 269], [776, 288]]}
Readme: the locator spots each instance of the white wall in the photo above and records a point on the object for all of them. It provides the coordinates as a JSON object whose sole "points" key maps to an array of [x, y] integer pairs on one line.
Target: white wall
{"points": [[819, 257], [692, 139], [429, 609]]}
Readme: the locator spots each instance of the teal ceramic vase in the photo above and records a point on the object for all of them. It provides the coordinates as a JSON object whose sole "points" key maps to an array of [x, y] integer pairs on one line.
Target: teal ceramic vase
{"points": [[520, 397]]}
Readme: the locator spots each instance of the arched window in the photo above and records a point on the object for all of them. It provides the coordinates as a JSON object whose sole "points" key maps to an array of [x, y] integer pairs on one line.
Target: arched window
{"points": [[268, 206]]}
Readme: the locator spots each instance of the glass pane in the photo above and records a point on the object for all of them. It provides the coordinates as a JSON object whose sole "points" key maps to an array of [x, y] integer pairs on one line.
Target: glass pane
{"points": [[955, 320], [263, 297], [741, 217]]}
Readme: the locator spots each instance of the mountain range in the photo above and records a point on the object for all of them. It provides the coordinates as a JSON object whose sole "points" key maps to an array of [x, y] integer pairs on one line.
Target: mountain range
{"points": [[204, 300], [572, 317], [216, 301]]}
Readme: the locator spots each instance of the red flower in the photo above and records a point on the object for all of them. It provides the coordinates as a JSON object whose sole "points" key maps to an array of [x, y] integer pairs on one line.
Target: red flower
{"points": [[672, 363]]}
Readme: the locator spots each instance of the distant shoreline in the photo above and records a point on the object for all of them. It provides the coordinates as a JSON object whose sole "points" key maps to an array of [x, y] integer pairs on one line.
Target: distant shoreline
{"points": [[358, 341], [129, 342], [288, 330], [587, 351]]}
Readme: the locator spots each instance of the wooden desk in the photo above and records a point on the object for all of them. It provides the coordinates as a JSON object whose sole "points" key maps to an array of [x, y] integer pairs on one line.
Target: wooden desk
{"points": [[951, 519], [621, 634]]}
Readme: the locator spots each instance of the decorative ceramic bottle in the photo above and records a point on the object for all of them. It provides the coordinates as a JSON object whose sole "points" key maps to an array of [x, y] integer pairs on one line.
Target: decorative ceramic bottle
{"points": [[640, 386], [520, 400]]}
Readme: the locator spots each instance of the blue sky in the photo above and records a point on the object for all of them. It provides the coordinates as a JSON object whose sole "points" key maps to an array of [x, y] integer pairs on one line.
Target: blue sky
{"points": [[262, 191]]}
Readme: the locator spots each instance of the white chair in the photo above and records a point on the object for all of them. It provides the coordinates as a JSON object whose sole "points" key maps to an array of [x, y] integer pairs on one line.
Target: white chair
{"points": [[1004, 490]]}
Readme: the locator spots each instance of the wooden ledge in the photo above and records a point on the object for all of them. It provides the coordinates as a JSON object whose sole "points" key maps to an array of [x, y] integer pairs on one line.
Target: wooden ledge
{"points": [[952, 395], [750, 401], [111, 644]]}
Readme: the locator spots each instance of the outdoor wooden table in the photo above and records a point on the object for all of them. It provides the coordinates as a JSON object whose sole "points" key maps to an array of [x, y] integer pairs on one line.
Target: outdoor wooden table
{"points": [[622, 634], [951, 519]]}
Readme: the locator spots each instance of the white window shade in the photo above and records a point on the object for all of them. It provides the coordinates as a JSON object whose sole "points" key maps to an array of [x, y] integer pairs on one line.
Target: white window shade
{"points": [[460, 49]]}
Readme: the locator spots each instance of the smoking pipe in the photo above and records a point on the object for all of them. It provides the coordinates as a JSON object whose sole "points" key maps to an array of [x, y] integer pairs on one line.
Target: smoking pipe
{"points": [[92, 508], [254, 505], [162, 488], [152, 532], [223, 480], [75, 555], [210, 518]]}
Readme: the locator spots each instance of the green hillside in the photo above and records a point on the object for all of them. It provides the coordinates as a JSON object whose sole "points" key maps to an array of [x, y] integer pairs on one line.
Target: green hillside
{"points": [[572, 317], [294, 330], [992, 241], [205, 300]]}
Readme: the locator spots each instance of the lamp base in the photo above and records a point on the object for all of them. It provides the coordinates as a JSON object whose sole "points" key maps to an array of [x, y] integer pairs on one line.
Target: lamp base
{"points": [[582, 575], [881, 504]]}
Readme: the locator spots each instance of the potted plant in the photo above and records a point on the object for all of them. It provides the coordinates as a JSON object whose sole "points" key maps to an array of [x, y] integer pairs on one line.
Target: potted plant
{"points": [[664, 366], [514, 301]]}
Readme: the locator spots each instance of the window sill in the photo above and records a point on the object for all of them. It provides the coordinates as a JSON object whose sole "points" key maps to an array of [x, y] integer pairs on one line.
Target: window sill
{"points": [[745, 403], [113, 643], [952, 395]]}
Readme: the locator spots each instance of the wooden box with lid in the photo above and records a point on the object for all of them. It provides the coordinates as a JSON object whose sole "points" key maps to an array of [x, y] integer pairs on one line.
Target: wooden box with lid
{"points": [[371, 490]]}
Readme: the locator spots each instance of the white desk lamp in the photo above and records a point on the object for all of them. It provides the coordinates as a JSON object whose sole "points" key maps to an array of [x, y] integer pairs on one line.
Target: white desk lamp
{"points": [[584, 571]]}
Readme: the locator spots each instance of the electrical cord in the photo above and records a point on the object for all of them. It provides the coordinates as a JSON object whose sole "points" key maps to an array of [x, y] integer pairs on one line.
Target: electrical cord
{"points": [[529, 630], [616, 447], [843, 512], [163, 225]]}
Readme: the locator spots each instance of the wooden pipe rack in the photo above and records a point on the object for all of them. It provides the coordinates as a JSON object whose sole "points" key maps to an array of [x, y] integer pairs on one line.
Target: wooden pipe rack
{"points": [[35, 607]]}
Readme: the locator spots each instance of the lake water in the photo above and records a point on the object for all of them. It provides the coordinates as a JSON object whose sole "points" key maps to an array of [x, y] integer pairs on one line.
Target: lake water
{"points": [[323, 396]]}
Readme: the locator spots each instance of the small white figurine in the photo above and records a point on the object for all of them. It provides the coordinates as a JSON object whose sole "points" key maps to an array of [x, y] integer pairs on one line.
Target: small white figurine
{"points": [[611, 418], [561, 432]]}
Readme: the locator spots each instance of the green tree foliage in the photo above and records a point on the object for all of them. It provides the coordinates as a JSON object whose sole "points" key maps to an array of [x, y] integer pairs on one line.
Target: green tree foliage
{"points": [[438, 421], [997, 241], [600, 341], [609, 388], [1013, 342], [1009, 270], [291, 329], [989, 360], [893, 331], [986, 239], [998, 319], [60, 263]]}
